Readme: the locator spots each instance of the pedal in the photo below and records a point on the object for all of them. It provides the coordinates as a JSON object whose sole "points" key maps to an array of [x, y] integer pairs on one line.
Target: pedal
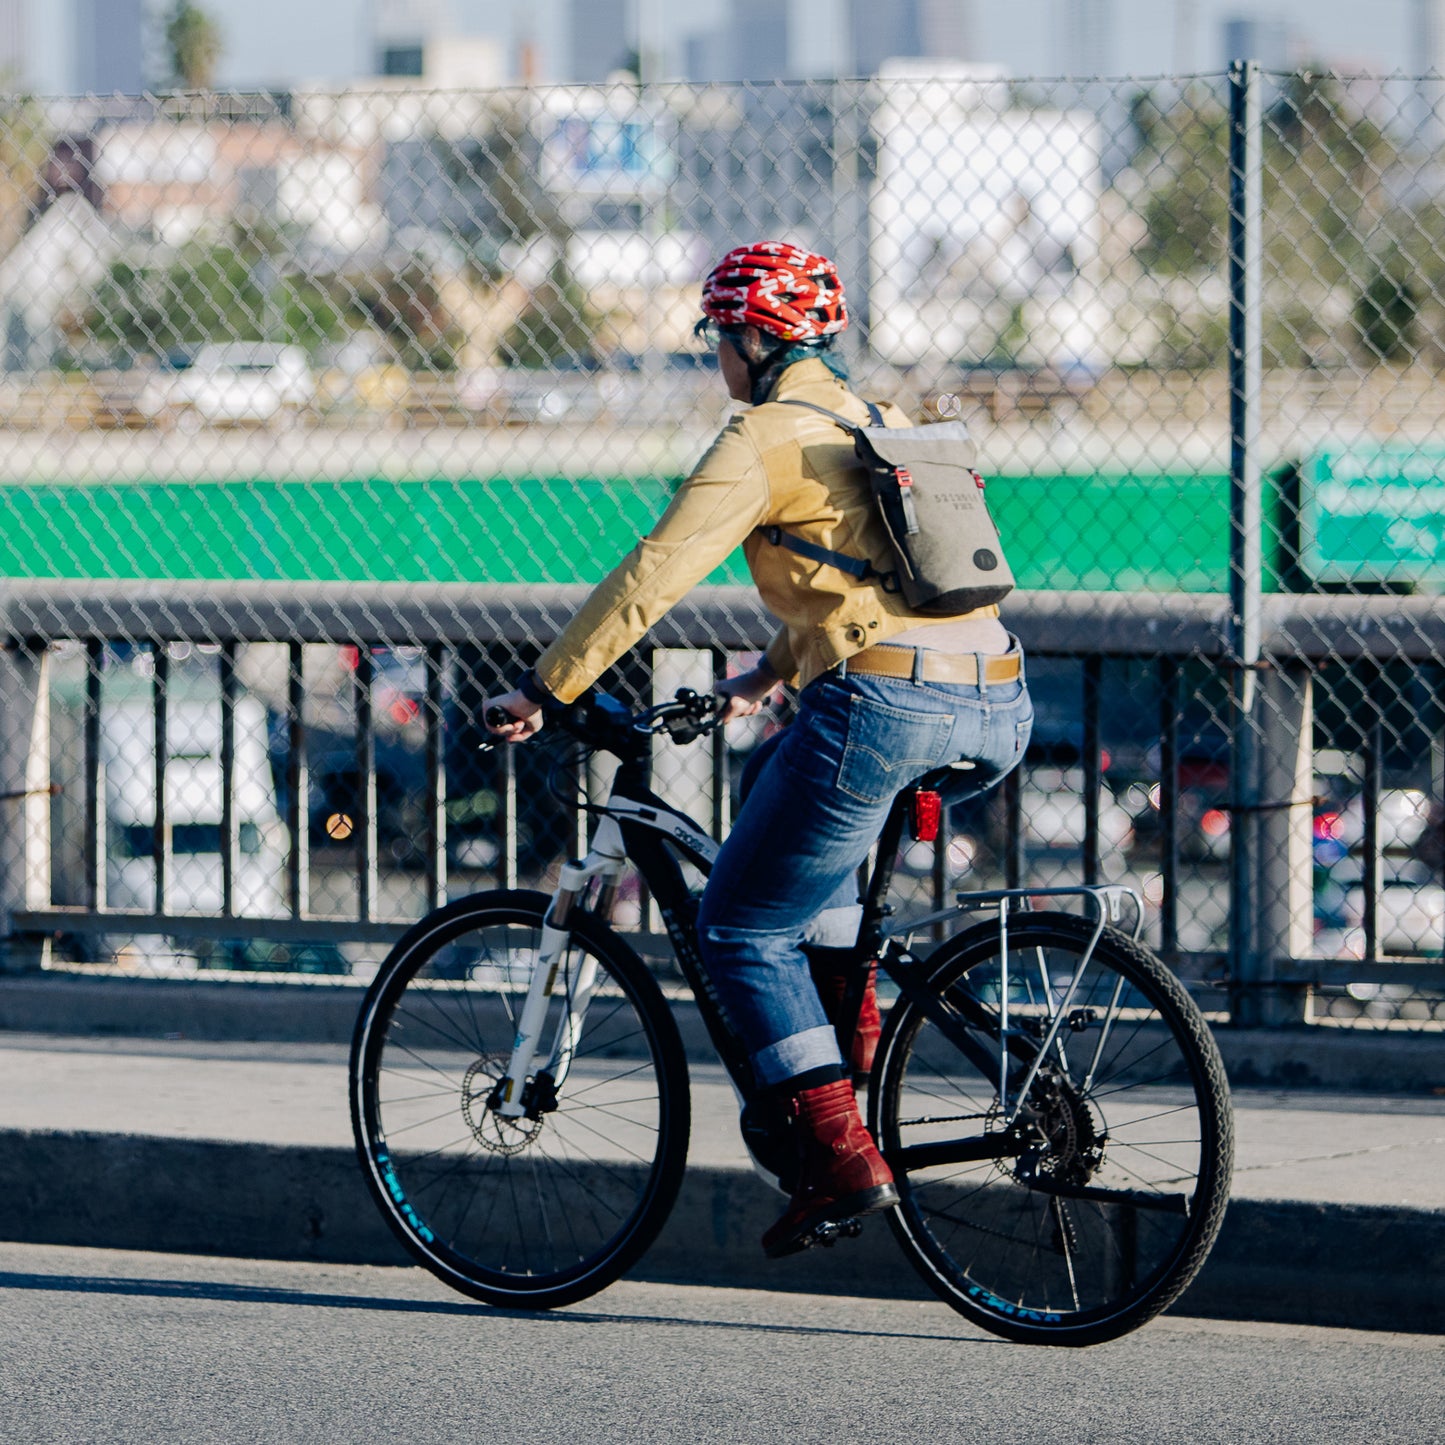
{"points": [[828, 1234]]}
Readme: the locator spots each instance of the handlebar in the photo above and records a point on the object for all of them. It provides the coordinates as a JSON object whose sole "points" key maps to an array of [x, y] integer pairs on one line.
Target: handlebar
{"points": [[689, 715], [603, 721]]}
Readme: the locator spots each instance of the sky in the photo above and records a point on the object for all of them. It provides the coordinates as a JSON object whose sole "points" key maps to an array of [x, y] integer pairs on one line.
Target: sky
{"points": [[289, 42]]}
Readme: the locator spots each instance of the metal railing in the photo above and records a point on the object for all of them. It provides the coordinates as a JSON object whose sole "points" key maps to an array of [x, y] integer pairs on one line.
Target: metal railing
{"points": [[1168, 635]]}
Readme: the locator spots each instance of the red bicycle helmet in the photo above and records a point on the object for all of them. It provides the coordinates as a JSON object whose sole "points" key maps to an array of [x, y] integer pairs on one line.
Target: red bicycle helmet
{"points": [[790, 293]]}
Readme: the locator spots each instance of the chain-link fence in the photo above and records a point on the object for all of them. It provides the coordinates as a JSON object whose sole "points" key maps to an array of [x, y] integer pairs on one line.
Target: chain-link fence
{"points": [[320, 410]]}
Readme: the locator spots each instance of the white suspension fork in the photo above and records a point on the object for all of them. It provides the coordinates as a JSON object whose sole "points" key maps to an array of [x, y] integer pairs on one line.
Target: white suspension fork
{"points": [[605, 861]]}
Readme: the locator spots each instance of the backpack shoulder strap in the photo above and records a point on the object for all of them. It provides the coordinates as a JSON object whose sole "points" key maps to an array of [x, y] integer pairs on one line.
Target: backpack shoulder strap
{"points": [[857, 567], [814, 552], [874, 414]]}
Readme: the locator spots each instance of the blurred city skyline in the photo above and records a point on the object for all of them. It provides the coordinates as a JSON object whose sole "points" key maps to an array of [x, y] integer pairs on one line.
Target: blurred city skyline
{"points": [[76, 45]]}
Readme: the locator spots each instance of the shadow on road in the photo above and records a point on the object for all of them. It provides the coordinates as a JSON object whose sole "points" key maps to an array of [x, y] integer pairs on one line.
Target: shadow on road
{"points": [[265, 1294]]}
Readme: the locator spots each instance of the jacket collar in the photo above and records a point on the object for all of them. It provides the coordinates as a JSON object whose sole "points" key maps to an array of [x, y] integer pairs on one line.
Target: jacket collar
{"points": [[803, 376]]}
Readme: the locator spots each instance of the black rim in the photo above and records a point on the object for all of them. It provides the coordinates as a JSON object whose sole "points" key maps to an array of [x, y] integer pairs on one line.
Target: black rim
{"points": [[522, 1205], [1086, 1206]]}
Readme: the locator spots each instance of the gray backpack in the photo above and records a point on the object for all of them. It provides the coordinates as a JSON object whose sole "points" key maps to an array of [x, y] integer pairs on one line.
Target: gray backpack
{"points": [[930, 498]]}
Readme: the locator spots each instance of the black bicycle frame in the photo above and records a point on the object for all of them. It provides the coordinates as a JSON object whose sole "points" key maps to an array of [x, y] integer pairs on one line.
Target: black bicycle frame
{"points": [[654, 833]]}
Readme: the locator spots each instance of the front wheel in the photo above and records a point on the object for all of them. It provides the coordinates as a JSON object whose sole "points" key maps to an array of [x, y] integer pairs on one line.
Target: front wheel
{"points": [[549, 1206], [1078, 1214]]}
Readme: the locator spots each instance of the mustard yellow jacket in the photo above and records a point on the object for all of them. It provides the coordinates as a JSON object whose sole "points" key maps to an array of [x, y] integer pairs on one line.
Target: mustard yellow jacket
{"points": [[771, 466]]}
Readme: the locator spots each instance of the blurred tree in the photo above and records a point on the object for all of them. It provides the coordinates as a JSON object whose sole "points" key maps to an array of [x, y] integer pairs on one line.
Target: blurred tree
{"points": [[1324, 162], [503, 170], [235, 291], [1328, 215], [24, 147], [1183, 159], [406, 308], [1386, 313], [556, 329], [194, 41]]}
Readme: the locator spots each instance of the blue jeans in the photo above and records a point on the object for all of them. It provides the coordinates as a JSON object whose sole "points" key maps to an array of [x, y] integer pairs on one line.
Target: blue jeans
{"points": [[807, 824]]}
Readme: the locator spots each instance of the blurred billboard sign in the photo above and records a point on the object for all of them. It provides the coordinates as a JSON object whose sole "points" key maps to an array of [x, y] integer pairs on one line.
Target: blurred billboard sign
{"points": [[1373, 514], [603, 143]]}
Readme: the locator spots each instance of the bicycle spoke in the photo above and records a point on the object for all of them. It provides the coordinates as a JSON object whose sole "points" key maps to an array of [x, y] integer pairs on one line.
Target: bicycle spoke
{"points": [[1081, 1209], [517, 1207]]}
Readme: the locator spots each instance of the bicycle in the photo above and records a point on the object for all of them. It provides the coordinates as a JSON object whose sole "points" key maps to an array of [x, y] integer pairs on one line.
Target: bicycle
{"points": [[1046, 1093]]}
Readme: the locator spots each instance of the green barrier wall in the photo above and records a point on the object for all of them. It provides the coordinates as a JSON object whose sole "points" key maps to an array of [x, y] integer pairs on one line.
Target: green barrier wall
{"points": [[1098, 533]]}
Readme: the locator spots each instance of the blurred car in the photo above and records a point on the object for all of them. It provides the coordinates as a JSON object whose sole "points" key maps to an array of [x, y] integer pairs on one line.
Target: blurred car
{"points": [[235, 384], [193, 806], [1409, 908], [398, 698], [1402, 819], [1053, 813], [1203, 827]]}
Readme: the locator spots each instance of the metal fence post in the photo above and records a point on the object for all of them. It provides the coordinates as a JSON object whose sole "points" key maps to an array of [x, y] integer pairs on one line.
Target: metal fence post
{"points": [[1285, 836], [1245, 553], [850, 201], [24, 799]]}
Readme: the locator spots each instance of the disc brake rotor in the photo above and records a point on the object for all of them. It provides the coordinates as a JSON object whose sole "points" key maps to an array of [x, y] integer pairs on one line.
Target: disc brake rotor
{"points": [[493, 1131]]}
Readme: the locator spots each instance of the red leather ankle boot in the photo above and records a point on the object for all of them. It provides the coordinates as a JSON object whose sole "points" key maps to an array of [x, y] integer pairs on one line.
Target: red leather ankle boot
{"points": [[841, 1175], [829, 969]]}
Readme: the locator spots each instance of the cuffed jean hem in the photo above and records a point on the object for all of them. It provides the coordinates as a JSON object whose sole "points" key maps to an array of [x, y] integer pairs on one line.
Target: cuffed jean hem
{"points": [[796, 1054]]}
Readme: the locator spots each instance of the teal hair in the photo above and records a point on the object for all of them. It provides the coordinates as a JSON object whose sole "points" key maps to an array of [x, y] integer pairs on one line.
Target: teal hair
{"points": [[766, 374]]}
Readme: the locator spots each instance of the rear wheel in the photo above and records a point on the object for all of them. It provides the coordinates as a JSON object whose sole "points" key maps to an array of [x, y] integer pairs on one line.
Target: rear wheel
{"points": [[553, 1205], [1081, 1214]]}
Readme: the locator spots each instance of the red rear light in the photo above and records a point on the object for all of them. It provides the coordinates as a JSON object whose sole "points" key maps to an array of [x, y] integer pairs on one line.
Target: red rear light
{"points": [[1215, 823], [927, 814]]}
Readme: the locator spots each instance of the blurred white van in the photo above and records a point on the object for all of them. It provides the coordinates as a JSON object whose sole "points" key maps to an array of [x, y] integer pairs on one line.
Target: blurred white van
{"points": [[193, 807]]}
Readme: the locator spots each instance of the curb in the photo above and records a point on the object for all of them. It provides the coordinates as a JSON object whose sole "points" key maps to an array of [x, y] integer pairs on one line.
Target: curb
{"points": [[1296, 1262], [1307, 1057]]}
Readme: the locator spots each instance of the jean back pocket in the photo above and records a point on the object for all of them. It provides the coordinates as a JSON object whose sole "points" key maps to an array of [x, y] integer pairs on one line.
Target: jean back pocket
{"points": [[888, 747]]}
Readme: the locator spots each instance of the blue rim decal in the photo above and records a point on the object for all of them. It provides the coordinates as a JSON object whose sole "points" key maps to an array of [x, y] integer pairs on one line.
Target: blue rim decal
{"points": [[991, 1301], [398, 1195]]}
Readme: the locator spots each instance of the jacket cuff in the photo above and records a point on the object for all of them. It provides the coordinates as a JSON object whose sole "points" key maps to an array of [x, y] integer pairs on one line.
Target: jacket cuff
{"points": [[532, 688]]}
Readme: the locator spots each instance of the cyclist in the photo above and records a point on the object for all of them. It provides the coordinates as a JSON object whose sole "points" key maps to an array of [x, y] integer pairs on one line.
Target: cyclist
{"points": [[885, 695]]}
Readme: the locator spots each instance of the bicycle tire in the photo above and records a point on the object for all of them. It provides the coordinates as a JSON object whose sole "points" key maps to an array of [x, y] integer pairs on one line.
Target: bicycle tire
{"points": [[541, 1211], [1077, 1225]]}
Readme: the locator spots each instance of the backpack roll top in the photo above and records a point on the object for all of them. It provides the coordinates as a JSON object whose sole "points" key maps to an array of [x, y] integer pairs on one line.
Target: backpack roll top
{"points": [[950, 558]]}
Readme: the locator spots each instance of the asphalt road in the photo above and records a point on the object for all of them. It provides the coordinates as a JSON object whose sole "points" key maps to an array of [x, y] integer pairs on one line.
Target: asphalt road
{"points": [[104, 1346]]}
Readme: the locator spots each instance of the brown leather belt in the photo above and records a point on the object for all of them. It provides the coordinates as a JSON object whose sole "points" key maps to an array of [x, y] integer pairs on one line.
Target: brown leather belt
{"points": [[886, 661]]}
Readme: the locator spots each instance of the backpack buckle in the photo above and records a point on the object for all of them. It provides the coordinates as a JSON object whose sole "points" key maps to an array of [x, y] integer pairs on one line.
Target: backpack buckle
{"points": [[904, 478]]}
